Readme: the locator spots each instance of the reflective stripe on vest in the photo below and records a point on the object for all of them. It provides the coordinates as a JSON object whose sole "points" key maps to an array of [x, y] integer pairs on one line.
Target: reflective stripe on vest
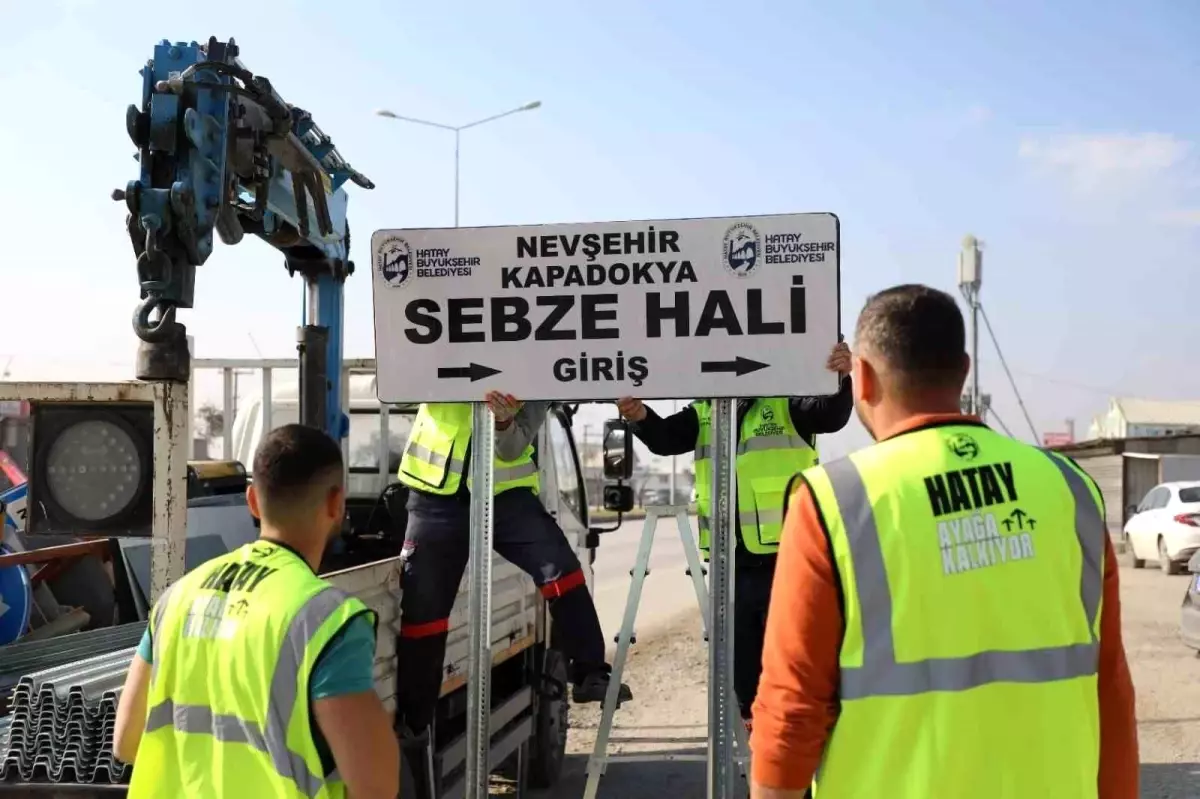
{"points": [[500, 474], [758, 444], [272, 741], [765, 464], [434, 459], [749, 519], [882, 675], [447, 426]]}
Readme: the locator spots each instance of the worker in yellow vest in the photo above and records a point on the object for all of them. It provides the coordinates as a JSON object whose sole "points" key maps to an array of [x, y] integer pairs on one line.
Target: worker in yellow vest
{"points": [[436, 469], [254, 677], [945, 620], [777, 437]]}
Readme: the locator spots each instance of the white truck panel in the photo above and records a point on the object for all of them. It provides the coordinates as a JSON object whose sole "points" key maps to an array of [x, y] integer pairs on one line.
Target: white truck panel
{"points": [[378, 586], [514, 618]]}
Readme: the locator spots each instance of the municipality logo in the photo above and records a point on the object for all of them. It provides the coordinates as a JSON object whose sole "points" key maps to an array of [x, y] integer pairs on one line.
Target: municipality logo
{"points": [[963, 446], [394, 261], [741, 247]]}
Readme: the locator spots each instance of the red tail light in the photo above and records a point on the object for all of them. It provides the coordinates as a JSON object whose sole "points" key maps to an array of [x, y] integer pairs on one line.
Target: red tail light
{"points": [[1190, 519]]}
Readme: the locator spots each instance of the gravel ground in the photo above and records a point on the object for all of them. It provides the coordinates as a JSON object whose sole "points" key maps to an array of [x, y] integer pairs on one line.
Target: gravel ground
{"points": [[667, 672], [1167, 678]]}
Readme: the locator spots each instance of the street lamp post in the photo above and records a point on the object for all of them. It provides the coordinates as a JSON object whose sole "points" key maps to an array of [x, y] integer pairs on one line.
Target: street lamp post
{"points": [[479, 658], [457, 131]]}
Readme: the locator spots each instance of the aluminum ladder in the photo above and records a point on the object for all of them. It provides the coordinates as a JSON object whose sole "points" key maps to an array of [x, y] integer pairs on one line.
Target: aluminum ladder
{"points": [[600, 758]]}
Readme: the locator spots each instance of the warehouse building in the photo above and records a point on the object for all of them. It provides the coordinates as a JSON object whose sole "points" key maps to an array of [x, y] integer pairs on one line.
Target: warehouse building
{"points": [[1128, 417]]}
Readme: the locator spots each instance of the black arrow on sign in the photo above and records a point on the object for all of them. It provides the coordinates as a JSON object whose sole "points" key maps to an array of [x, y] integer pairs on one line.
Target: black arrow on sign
{"points": [[739, 366], [475, 371]]}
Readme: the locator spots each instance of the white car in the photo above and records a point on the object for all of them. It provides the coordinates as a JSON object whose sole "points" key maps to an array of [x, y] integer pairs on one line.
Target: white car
{"points": [[1165, 526]]}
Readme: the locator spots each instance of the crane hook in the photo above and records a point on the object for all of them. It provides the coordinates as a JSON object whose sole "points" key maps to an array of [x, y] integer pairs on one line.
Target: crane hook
{"points": [[158, 330]]}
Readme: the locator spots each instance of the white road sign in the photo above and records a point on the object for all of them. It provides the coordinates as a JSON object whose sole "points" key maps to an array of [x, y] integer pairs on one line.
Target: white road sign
{"points": [[727, 307]]}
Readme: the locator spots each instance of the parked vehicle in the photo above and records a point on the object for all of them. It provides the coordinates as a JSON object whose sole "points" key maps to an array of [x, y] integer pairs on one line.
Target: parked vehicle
{"points": [[1165, 526]]}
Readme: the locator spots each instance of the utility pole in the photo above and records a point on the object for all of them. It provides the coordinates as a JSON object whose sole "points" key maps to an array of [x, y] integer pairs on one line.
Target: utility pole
{"points": [[970, 280]]}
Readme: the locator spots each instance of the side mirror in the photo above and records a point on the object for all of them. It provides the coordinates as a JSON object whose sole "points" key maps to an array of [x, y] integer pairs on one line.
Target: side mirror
{"points": [[618, 452], [618, 498]]}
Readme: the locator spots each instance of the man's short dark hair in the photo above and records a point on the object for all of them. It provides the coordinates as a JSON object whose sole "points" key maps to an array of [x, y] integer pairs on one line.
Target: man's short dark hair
{"points": [[918, 332], [292, 461]]}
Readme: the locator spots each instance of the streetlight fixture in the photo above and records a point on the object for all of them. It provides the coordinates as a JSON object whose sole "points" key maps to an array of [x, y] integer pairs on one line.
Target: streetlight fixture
{"points": [[457, 130]]}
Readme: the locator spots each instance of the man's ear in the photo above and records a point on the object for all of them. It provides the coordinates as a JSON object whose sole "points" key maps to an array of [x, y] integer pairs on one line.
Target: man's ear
{"points": [[335, 501], [252, 502], [867, 387]]}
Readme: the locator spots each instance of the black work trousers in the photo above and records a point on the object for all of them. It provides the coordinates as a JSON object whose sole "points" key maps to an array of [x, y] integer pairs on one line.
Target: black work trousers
{"points": [[436, 548], [752, 579]]}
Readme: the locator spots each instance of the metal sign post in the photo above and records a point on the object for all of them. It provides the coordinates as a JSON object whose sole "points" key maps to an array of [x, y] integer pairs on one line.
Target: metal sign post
{"points": [[479, 655], [721, 766]]}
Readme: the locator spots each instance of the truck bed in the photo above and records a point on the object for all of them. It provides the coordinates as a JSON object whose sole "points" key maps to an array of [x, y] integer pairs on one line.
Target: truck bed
{"points": [[516, 614]]}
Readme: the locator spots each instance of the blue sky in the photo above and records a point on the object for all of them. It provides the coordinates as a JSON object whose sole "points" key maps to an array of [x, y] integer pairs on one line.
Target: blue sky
{"points": [[1063, 137]]}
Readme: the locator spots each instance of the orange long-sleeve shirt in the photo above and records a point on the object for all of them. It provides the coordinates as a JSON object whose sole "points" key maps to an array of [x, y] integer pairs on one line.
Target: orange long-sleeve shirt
{"points": [[797, 703]]}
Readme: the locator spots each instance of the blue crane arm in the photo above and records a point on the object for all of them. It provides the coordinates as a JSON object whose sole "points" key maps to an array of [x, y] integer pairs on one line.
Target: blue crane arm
{"points": [[221, 152]]}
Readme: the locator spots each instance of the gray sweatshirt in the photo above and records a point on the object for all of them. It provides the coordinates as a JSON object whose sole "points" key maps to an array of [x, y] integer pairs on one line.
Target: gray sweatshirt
{"points": [[512, 440]]}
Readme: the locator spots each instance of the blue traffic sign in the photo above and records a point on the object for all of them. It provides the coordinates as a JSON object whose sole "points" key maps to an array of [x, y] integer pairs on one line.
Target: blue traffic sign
{"points": [[16, 599], [12, 508]]}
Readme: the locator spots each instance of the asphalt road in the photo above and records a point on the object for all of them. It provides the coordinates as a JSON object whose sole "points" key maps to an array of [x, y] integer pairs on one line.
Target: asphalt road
{"points": [[667, 590], [668, 668]]}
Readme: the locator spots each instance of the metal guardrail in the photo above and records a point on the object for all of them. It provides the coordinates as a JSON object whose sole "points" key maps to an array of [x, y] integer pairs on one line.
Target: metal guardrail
{"points": [[21, 659], [62, 722]]}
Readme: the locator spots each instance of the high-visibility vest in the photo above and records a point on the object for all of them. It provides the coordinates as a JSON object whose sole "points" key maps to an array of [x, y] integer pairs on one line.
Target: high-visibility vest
{"points": [[769, 451], [234, 643], [972, 568], [434, 456]]}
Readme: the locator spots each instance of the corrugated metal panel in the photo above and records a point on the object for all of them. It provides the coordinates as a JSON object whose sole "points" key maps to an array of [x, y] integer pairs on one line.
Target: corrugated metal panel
{"points": [[1109, 474], [1164, 445], [61, 727], [19, 659]]}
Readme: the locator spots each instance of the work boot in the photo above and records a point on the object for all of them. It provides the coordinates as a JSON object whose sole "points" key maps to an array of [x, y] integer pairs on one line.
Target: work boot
{"points": [[416, 762], [594, 687]]}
